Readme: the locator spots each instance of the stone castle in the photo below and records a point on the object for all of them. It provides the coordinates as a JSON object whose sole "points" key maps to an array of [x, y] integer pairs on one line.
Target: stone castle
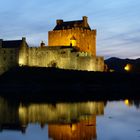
{"points": [[71, 45]]}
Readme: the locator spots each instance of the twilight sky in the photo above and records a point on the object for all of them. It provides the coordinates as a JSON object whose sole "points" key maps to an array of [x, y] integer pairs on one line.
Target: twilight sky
{"points": [[117, 22]]}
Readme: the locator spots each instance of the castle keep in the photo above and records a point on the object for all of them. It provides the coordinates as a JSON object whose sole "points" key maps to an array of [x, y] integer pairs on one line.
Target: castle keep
{"points": [[74, 33], [71, 45]]}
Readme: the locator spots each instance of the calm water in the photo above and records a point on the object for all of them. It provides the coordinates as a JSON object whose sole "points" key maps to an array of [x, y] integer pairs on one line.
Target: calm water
{"points": [[104, 120]]}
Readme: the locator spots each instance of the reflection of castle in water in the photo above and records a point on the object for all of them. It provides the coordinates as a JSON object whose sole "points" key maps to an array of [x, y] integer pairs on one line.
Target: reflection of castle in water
{"points": [[65, 120], [135, 103], [85, 129], [59, 113], [9, 118]]}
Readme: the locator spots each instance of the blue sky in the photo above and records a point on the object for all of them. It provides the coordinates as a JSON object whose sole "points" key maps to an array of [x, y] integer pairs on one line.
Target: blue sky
{"points": [[117, 22]]}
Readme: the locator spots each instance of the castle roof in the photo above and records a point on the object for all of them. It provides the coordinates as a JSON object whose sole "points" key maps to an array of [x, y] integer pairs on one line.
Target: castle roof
{"points": [[11, 44], [62, 25]]}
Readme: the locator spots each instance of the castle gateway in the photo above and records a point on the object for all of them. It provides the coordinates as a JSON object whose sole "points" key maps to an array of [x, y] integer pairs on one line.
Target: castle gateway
{"points": [[71, 45]]}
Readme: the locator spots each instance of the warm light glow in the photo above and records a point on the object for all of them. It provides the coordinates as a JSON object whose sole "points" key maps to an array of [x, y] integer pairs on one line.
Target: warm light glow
{"points": [[73, 127], [127, 67], [21, 110], [22, 114], [73, 42], [127, 102], [21, 62], [111, 70]]}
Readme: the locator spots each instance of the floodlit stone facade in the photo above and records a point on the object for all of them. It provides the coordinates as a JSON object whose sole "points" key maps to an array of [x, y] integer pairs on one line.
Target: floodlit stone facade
{"points": [[8, 59], [64, 58], [74, 33], [9, 54], [71, 45]]}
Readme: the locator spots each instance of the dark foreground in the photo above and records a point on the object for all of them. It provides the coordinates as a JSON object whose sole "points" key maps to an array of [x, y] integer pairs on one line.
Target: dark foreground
{"points": [[50, 84]]}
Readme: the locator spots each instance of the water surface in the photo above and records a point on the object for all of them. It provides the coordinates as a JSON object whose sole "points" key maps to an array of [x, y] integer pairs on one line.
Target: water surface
{"points": [[99, 120]]}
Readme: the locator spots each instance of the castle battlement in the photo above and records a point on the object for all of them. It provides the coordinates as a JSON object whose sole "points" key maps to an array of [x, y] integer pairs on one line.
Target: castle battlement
{"points": [[72, 29]]}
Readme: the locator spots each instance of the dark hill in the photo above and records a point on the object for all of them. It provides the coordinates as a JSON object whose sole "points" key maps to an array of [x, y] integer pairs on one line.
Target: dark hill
{"points": [[118, 64]]}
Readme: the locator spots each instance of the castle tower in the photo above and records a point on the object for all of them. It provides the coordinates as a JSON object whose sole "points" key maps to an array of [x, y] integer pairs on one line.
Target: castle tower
{"points": [[23, 55], [65, 32]]}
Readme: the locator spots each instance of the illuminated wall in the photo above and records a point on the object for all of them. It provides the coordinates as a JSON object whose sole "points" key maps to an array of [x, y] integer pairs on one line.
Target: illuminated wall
{"points": [[64, 58], [80, 37], [85, 39], [13, 56]]}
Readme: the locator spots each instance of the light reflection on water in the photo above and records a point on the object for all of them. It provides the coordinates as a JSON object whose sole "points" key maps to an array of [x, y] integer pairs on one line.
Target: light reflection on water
{"points": [[75, 121]]}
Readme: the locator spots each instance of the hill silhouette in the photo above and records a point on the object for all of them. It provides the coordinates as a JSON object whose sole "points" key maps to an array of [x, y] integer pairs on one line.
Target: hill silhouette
{"points": [[118, 64]]}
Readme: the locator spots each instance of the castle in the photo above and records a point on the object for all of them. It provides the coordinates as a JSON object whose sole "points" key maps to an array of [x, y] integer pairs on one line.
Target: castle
{"points": [[71, 45]]}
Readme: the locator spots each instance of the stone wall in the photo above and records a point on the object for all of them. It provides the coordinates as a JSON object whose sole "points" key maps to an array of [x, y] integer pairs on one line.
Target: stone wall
{"points": [[85, 39], [63, 58], [13, 56], [8, 59]]}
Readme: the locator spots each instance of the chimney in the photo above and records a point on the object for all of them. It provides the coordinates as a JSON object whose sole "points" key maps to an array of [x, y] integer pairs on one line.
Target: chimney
{"points": [[42, 44], [85, 21], [24, 39], [1, 43], [59, 21]]}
